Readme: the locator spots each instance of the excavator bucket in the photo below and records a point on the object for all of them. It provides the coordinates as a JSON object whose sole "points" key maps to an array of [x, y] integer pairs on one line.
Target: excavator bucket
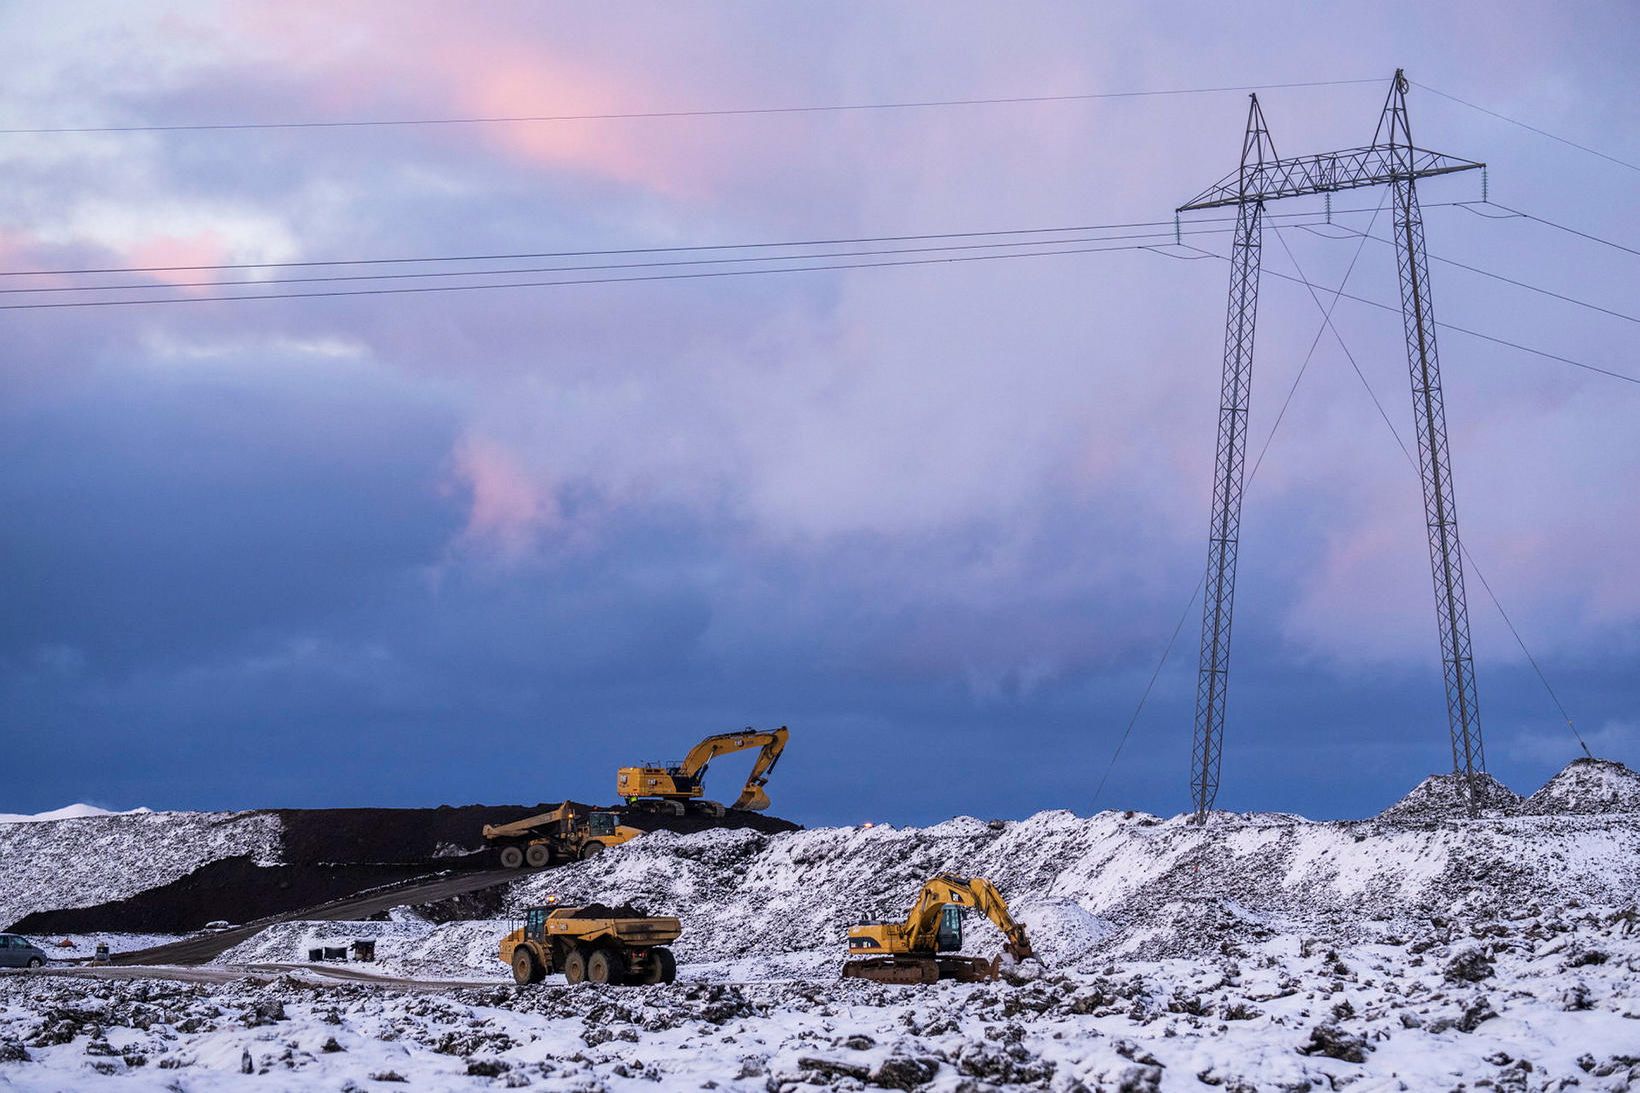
{"points": [[752, 799]]}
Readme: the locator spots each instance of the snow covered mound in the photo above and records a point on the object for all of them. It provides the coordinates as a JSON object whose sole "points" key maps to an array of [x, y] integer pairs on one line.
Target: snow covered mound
{"points": [[67, 812], [92, 859], [1443, 797], [1588, 786], [1108, 886]]}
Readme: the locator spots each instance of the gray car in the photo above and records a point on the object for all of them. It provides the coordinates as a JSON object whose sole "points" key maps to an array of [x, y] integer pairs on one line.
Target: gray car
{"points": [[18, 952]]}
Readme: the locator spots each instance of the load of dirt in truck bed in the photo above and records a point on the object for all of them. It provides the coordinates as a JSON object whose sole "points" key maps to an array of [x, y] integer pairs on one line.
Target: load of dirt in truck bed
{"points": [[603, 910]]}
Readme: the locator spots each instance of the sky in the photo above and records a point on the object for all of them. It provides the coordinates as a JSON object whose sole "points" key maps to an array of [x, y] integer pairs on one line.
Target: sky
{"points": [[941, 520]]}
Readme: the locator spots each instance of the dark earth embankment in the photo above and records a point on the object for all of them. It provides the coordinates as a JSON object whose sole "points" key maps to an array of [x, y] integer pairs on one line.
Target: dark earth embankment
{"points": [[234, 889], [329, 853]]}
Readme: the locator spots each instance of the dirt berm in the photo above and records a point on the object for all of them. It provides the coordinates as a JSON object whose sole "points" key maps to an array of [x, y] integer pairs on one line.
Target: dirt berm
{"points": [[328, 853]]}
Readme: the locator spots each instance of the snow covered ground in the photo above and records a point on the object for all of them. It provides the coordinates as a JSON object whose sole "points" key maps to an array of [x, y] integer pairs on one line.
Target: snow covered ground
{"points": [[1523, 1003], [408, 947], [1414, 951]]}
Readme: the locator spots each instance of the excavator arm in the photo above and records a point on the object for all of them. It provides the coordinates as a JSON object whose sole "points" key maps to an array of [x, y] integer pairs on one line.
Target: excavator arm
{"points": [[752, 796], [976, 892]]}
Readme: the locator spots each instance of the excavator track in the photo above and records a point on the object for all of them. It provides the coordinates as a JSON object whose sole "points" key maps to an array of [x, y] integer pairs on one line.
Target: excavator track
{"points": [[916, 969]]}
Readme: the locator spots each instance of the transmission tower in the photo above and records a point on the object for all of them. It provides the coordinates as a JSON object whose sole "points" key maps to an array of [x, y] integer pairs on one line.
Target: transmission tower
{"points": [[1228, 462], [1391, 159]]}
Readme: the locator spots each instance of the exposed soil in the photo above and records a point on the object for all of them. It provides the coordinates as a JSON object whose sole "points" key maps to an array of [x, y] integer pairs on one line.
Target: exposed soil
{"points": [[234, 889], [442, 836], [316, 836]]}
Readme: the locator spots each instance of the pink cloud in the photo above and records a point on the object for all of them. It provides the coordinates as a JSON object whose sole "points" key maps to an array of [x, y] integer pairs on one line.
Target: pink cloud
{"points": [[488, 65], [202, 248], [508, 506]]}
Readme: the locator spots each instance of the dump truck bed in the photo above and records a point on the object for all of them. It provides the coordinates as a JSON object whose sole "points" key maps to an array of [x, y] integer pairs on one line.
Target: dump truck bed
{"points": [[648, 930]]}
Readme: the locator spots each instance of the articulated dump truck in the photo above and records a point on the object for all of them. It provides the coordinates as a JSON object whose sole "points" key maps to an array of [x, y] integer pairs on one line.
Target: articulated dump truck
{"points": [[595, 944], [570, 832]]}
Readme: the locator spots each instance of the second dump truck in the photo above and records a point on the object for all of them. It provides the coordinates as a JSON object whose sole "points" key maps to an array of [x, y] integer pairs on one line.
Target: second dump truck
{"points": [[595, 944], [570, 832]]}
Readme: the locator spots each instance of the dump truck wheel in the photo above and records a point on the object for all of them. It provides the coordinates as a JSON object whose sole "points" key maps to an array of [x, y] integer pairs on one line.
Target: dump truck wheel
{"points": [[663, 966], [537, 856], [523, 966], [511, 857], [575, 966], [606, 965], [591, 850]]}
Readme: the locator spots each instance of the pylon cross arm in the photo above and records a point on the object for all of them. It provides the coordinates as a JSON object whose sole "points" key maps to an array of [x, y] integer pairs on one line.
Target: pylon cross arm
{"points": [[1325, 173]]}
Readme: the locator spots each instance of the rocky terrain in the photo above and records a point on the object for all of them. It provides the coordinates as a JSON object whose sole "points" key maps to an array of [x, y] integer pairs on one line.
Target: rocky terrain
{"points": [[1417, 950]]}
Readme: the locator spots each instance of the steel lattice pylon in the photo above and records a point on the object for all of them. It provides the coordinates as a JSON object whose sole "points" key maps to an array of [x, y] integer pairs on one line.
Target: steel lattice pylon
{"points": [[1394, 160], [1228, 463], [1434, 457]]}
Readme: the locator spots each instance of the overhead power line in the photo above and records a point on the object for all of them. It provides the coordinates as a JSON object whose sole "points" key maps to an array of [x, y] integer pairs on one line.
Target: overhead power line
{"points": [[675, 249], [1446, 325], [1467, 206], [1531, 128], [915, 104], [396, 291], [1406, 452], [603, 253], [1494, 276], [1252, 476], [672, 262]]}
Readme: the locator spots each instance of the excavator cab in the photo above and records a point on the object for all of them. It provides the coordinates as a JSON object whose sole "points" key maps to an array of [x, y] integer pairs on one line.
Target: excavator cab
{"points": [[948, 935]]}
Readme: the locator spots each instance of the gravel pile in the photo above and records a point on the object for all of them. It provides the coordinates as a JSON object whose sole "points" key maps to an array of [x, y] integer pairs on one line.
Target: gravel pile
{"points": [[1446, 797], [1587, 787]]}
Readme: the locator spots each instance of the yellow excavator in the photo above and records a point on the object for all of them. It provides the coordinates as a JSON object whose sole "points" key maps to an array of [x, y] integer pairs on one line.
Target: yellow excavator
{"points": [[674, 787], [914, 951]]}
